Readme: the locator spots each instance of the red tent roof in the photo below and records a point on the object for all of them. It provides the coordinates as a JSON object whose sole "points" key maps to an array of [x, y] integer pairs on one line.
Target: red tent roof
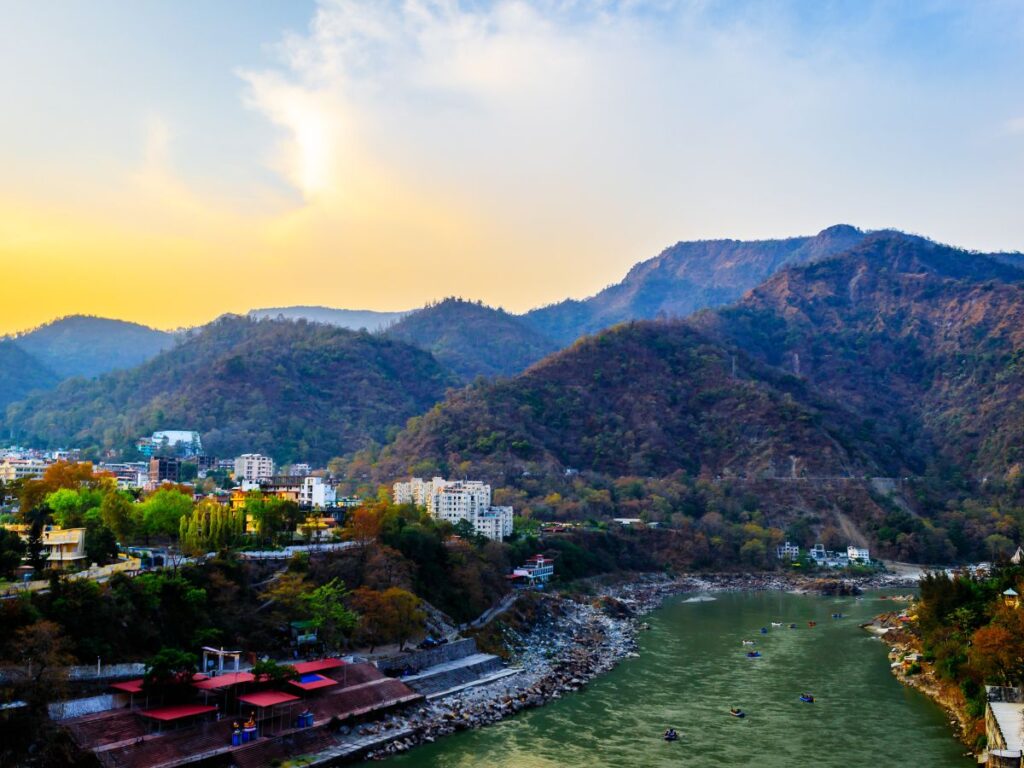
{"points": [[128, 686], [224, 681], [177, 712], [317, 666], [310, 682], [267, 698]]}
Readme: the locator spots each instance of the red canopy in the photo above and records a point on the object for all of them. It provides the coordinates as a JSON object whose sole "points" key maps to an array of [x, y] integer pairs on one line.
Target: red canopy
{"points": [[128, 686], [319, 665], [224, 681], [267, 698], [310, 682], [177, 712]]}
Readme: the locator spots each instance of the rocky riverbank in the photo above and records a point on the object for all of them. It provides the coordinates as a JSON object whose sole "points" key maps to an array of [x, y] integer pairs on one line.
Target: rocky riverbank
{"points": [[909, 666], [560, 643]]}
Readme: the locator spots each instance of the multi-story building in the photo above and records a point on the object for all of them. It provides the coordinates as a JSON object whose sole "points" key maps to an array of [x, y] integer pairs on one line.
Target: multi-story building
{"points": [[22, 469], [129, 474], [858, 554], [63, 548], [787, 551], [457, 500], [253, 468], [164, 469]]}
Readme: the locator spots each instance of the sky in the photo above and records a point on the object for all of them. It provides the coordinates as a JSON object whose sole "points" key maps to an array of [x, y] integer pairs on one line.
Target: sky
{"points": [[166, 162]]}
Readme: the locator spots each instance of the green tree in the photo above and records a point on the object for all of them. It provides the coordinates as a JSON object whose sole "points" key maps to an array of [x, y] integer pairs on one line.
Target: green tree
{"points": [[333, 621], [116, 512], [162, 512], [12, 549]]}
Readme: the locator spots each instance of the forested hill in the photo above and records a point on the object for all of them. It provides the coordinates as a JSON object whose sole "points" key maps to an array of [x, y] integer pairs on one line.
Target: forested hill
{"points": [[924, 341], [294, 390], [472, 339], [20, 374], [81, 345], [686, 277], [642, 399]]}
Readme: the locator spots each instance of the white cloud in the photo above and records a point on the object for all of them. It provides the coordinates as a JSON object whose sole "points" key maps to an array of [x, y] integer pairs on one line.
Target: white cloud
{"points": [[602, 131]]}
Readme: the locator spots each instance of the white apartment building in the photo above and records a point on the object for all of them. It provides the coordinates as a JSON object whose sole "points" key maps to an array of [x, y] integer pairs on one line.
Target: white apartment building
{"points": [[457, 500], [317, 493], [418, 491], [253, 468], [494, 523], [22, 469], [787, 551], [858, 555]]}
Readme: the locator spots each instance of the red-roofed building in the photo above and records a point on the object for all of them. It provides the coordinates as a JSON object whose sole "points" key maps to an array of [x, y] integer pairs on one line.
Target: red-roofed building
{"points": [[267, 698], [319, 665], [224, 681], [177, 712], [312, 682]]}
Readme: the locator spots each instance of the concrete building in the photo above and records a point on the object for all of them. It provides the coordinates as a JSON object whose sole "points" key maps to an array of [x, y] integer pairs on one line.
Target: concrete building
{"points": [[787, 551], [129, 474], [310, 492], [457, 500], [164, 469], [253, 468], [63, 548], [536, 571], [22, 469], [858, 555]]}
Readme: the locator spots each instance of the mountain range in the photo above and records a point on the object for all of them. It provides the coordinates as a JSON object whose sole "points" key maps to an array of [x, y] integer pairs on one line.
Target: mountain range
{"points": [[850, 356], [295, 390]]}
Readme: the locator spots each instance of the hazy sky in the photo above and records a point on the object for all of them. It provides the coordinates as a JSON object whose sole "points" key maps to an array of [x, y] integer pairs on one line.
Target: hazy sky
{"points": [[167, 162]]}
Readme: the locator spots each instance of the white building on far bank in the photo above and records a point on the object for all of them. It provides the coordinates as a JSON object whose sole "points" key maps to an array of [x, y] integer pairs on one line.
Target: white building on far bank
{"points": [[858, 555]]}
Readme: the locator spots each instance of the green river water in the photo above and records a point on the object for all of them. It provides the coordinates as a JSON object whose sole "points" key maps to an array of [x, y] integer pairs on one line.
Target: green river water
{"points": [[692, 668]]}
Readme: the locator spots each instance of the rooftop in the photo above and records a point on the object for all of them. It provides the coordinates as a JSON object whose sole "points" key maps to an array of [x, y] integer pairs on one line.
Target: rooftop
{"points": [[1010, 718]]}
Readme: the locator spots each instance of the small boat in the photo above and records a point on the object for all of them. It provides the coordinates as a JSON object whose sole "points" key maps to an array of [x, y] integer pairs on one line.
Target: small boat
{"points": [[792, 626], [764, 630], [812, 623], [837, 615], [753, 654], [671, 735], [776, 623], [807, 698], [737, 712]]}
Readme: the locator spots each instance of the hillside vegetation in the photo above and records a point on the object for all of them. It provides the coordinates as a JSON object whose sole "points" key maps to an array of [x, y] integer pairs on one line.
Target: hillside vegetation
{"points": [[923, 340], [294, 390], [472, 339], [81, 345], [20, 374]]}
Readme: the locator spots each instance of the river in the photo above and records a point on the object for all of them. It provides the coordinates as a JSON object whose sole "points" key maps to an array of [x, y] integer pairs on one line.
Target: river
{"points": [[692, 668]]}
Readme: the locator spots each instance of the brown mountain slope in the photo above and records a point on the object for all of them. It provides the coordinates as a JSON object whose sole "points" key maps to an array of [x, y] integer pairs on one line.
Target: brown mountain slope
{"points": [[644, 399], [924, 340]]}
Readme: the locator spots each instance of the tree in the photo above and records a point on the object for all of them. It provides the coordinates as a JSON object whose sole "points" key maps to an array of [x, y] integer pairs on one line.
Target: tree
{"points": [[407, 616], [162, 512], [12, 549], [46, 653], [116, 513], [996, 653], [170, 671], [333, 621], [271, 671], [100, 543], [363, 525], [374, 618], [35, 540], [72, 507]]}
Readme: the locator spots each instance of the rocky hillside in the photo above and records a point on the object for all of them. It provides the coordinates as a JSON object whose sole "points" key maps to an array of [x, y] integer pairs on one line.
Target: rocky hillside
{"points": [[472, 339], [686, 277], [81, 345], [924, 341], [295, 390]]}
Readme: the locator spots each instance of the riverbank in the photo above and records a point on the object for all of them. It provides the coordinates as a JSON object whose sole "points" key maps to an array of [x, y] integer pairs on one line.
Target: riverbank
{"points": [[908, 665], [560, 642]]}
